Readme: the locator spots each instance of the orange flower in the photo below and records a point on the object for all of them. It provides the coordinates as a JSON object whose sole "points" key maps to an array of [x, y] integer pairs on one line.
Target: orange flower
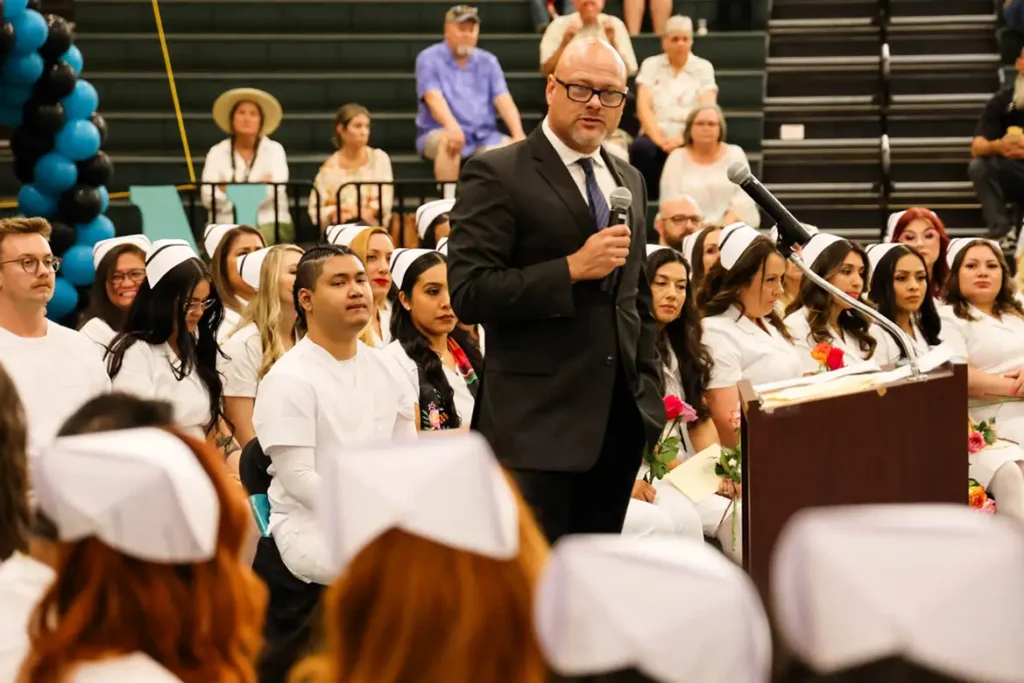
{"points": [[976, 496], [820, 352]]}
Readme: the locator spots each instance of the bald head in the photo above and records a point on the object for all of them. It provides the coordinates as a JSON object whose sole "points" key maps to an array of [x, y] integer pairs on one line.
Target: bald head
{"points": [[677, 217], [592, 53], [586, 93]]}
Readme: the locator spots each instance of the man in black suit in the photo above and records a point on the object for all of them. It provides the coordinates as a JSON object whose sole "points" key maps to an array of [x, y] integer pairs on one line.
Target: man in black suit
{"points": [[571, 389]]}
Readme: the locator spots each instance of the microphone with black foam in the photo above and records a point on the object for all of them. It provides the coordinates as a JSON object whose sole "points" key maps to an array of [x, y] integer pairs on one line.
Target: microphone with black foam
{"points": [[619, 202], [791, 232]]}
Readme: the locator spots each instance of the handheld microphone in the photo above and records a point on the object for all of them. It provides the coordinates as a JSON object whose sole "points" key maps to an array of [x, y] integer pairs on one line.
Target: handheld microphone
{"points": [[619, 202], [790, 230]]}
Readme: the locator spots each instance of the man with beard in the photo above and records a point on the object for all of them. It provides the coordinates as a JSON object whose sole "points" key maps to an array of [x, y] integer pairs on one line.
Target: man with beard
{"points": [[997, 166], [677, 217]]}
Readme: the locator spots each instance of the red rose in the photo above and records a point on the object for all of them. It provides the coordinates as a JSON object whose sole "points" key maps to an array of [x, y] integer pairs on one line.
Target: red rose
{"points": [[673, 407], [834, 360]]}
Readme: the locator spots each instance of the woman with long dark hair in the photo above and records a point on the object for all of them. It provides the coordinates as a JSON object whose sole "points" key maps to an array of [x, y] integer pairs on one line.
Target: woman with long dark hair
{"points": [[439, 369], [901, 289], [120, 265], [168, 350]]}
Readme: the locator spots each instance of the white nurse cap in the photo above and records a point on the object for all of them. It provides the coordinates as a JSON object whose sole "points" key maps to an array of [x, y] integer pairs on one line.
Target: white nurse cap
{"points": [[142, 492], [451, 491], [672, 608], [401, 259], [733, 241], [442, 245], [876, 252], [890, 225], [104, 247], [163, 256], [651, 248], [937, 585], [817, 245], [688, 245], [958, 244], [215, 234], [426, 214], [343, 234], [249, 266]]}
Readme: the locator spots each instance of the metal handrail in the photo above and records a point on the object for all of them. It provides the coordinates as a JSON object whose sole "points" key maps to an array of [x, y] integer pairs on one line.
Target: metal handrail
{"points": [[405, 197], [207, 191], [884, 105]]}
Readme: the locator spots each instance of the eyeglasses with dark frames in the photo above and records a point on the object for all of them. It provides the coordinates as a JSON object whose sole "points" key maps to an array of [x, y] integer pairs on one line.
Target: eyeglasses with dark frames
{"points": [[577, 92], [134, 276], [30, 264]]}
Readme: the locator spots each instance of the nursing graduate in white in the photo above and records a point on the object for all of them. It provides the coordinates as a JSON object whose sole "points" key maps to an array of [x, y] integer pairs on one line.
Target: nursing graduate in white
{"points": [[329, 392], [120, 267], [901, 290], [225, 243], [819, 317], [168, 350], [472, 335], [439, 371], [374, 248], [266, 330], [432, 222], [55, 369]]}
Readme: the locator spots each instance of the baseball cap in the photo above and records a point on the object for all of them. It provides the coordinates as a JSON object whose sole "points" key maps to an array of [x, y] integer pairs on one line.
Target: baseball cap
{"points": [[460, 13]]}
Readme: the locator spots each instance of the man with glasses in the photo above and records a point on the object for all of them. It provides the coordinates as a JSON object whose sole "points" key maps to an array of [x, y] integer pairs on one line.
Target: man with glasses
{"points": [[677, 217], [571, 390], [55, 369]]}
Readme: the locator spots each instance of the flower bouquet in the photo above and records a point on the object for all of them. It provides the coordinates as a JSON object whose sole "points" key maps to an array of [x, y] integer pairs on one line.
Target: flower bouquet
{"points": [[828, 357], [980, 435], [730, 467], [667, 449], [978, 498]]}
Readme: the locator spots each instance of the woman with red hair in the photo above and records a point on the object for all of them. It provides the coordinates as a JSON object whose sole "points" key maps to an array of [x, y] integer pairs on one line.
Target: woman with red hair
{"points": [[922, 229], [149, 585]]}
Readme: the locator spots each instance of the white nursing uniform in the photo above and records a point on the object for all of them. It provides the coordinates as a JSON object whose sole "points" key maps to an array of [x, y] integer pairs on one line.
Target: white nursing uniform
{"points": [[228, 323], [740, 349], [800, 328], [134, 668], [464, 400], [311, 403], [147, 371], [888, 352], [23, 581], [54, 375], [384, 338], [241, 361], [99, 332]]}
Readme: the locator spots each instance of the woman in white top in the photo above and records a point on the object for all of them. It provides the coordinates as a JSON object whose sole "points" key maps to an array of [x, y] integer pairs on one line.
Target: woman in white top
{"points": [[354, 162], [901, 290], [374, 248], [265, 332], [249, 116], [819, 317], [168, 349], [699, 169], [120, 265], [742, 328], [225, 243], [438, 369]]}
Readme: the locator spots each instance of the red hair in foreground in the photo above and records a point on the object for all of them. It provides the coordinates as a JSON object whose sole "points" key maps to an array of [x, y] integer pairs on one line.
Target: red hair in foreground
{"points": [[200, 621]]}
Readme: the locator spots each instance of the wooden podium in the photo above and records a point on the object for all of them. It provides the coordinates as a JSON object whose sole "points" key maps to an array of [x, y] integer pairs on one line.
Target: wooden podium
{"points": [[904, 444]]}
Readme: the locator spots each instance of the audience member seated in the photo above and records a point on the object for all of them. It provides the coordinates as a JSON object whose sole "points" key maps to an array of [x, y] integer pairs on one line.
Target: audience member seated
{"points": [[677, 217], [633, 10], [699, 169], [435, 578], [603, 601], [997, 156], [353, 162], [374, 248], [432, 222], [55, 369], [900, 290], [120, 267], [668, 87], [461, 88], [249, 116], [922, 229], [225, 244], [587, 20], [885, 607]]}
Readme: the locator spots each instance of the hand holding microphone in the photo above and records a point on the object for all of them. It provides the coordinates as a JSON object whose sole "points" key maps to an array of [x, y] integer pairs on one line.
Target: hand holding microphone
{"points": [[607, 249]]}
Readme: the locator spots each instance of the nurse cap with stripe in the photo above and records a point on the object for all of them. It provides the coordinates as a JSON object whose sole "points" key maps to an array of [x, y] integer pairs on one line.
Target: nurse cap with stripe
{"points": [[215, 234], [958, 244], [817, 245], [733, 242], [163, 256], [343, 234], [442, 245], [250, 265], [427, 213], [401, 259], [104, 247]]}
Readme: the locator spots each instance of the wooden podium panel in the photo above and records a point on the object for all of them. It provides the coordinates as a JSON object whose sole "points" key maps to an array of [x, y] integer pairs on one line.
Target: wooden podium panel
{"points": [[906, 444]]}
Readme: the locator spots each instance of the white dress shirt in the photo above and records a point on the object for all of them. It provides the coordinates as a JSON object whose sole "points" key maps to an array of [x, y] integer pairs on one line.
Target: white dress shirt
{"points": [[569, 157], [270, 161]]}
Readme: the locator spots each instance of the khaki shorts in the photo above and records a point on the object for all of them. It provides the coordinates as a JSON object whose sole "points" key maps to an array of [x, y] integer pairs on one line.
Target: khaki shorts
{"points": [[433, 141]]}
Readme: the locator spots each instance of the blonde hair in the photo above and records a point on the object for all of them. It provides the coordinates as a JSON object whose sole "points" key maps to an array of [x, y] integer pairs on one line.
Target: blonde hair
{"points": [[265, 307], [24, 226], [359, 246]]}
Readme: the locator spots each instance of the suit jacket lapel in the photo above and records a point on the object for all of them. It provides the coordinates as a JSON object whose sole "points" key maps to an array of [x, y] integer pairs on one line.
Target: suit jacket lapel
{"points": [[553, 170]]}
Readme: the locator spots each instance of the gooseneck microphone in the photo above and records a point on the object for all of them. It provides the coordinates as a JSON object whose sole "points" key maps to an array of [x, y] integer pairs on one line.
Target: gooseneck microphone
{"points": [[791, 232], [619, 202]]}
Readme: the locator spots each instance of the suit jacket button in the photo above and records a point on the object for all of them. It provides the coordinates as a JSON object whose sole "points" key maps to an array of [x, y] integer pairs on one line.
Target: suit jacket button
{"points": [[609, 360]]}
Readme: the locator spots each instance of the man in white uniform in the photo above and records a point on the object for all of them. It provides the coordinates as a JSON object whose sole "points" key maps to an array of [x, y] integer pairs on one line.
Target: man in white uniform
{"points": [[55, 369]]}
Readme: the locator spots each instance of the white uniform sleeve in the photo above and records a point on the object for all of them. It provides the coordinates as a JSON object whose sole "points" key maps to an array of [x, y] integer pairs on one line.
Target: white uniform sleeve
{"points": [[727, 369], [406, 391], [285, 412], [800, 330], [954, 333], [295, 468], [136, 374], [241, 367]]}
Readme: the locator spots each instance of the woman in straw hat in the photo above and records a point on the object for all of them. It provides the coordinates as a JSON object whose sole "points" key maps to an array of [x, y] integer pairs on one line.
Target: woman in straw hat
{"points": [[249, 116]]}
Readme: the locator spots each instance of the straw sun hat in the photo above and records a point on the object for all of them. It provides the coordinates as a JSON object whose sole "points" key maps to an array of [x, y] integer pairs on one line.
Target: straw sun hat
{"points": [[265, 101]]}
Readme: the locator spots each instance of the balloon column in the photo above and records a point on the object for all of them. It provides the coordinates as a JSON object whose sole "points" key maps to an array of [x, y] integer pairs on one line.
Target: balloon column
{"points": [[56, 141]]}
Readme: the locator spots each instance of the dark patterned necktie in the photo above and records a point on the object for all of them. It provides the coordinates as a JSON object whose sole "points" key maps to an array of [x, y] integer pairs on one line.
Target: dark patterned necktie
{"points": [[598, 204]]}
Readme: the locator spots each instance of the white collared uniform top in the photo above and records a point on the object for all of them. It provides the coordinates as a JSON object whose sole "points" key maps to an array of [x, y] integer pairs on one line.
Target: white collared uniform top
{"points": [[740, 349], [270, 160], [54, 375], [464, 400], [311, 400], [23, 581], [241, 361], [134, 668], [147, 371], [384, 315], [888, 350], [99, 332], [227, 324], [800, 328], [992, 346], [675, 93], [569, 157]]}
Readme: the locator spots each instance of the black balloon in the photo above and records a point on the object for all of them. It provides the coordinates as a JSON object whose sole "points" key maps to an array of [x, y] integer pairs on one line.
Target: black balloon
{"points": [[25, 169], [62, 237], [58, 38], [58, 81], [29, 144], [45, 117], [96, 170], [80, 204], [100, 123], [6, 36], [37, 5]]}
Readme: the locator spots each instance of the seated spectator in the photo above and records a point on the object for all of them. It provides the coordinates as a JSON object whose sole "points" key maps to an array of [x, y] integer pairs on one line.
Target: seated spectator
{"points": [[587, 20], [699, 169], [249, 116], [461, 88], [354, 162], [634, 13], [668, 87], [677, 217], [997, 151]]}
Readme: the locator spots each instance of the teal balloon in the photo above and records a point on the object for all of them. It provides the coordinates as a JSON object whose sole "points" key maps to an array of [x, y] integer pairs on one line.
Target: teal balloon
{"points": [[22, 69], [73, 57], [15, 95], [55, 173], [76, 265], [78, 140], [104, 198], [14, 8], [99, 228], [33, 202], [82, 102], [64, 301], [29, 32]]}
